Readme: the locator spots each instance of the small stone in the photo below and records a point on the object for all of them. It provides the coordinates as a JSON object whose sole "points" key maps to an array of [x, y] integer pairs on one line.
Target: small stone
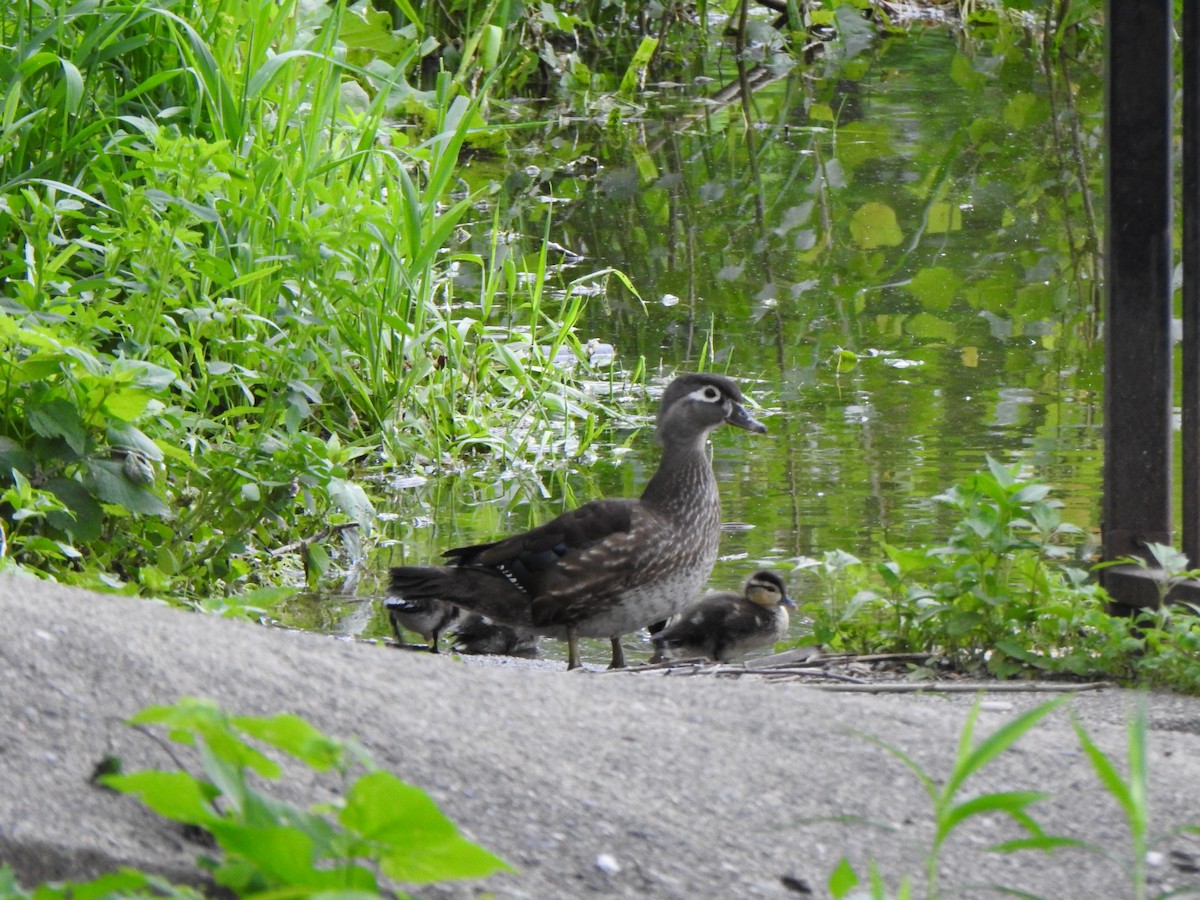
{"points": [[607, 864], [996, 706]]}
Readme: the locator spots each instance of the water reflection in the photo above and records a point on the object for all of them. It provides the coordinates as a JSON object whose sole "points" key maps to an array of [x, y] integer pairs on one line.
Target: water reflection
{"points": [[910, 210]]}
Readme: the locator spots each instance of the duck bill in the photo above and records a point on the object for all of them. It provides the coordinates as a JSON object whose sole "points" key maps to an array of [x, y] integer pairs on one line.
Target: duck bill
{"points": [[788, 602], [742, 419]]}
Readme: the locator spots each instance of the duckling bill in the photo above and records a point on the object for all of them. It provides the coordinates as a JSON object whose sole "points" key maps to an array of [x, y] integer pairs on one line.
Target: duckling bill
{"points": [[609, 567], [725, 626]]}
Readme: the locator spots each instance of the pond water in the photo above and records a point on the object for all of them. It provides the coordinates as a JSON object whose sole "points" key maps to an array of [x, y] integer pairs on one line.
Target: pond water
{"points": [[893, 251]]}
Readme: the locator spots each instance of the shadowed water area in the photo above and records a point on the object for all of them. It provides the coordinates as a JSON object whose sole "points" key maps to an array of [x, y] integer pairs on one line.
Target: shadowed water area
{"points": [[892, 249]]}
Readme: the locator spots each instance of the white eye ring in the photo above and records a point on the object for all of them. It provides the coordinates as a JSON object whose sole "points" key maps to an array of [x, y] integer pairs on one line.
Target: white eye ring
{"points": [[708, 394]]}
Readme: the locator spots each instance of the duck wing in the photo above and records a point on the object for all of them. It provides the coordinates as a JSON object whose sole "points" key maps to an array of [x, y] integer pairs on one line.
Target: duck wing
{"points": [[572, 565], [700, 623]]}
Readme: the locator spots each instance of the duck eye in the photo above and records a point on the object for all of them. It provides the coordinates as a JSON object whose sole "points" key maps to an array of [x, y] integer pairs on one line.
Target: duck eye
{"points": [[712, 394]]}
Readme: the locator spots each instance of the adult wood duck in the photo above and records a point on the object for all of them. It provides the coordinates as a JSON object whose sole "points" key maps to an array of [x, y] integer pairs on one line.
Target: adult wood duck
{"points": [[427, 616], [611, 566], [726, 625]]}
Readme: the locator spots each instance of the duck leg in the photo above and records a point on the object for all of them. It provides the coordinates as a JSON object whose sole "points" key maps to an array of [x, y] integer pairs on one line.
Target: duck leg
{"points": [[618, 658], [572, 650]]}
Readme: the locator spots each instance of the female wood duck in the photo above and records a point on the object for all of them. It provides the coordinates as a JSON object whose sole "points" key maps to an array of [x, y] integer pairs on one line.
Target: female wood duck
{"points": [[726, 625], [611, 566]]}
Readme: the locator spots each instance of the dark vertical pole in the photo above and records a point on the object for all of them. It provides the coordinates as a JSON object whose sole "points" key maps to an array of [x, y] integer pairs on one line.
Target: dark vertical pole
{"points": [[1137, 381], [1190, 40]]}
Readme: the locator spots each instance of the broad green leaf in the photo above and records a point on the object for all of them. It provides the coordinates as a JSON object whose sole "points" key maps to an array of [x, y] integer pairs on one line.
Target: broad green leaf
{"points": [[285, 856], [130, 437], [86, 516], [174, 795], [842, 879], [419, 844], [820, 112], [1024, 109], [963, 73], [112, 485], [295, 736], [943, 218], [126, 404], [1031, 493], [193, 717], [57, 417], [874, 225], [936, 287], [13, 456]]}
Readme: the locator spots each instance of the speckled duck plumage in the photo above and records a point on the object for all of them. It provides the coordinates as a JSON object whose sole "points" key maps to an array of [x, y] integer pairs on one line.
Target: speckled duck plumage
{"points": [[726, 625], [609, 567]]}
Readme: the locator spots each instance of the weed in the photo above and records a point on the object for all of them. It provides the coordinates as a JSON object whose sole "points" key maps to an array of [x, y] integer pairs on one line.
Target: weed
{"points": [[950, 812], [1002, 595], [379, 831]]}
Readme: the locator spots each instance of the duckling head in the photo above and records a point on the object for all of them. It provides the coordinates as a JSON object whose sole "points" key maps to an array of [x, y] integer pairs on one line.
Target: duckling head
{"points": [[767, 589]]}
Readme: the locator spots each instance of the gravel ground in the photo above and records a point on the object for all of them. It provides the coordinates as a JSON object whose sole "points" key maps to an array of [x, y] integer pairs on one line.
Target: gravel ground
{"points": [[616, 785]]}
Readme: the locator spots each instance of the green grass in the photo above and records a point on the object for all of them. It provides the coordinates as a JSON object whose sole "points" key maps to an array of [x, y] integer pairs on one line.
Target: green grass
{"points": [[1129, 791], [238, 275]]}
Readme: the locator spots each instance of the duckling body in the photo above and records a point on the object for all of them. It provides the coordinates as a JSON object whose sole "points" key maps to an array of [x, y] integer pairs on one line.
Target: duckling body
{"points": [[427, 616], [478, 635], [611, 566], [724, 626]]}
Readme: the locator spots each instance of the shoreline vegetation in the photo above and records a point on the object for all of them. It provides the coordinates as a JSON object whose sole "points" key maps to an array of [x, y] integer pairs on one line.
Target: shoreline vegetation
{"points": [[250, 270]]}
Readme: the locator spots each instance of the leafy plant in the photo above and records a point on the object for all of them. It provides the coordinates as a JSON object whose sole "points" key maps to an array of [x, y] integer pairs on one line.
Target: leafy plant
{"points": [[1002, 594], [1132, 795], [230, 286], [950, 811], [378, 826], [1130, 792]]}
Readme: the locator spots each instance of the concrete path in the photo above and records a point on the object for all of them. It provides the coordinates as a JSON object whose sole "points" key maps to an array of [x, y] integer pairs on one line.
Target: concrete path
{"points": [[607, 785]]}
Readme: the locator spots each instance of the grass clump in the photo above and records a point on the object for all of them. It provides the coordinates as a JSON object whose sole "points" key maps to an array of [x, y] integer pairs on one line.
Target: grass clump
{"points": [[1130, 791], [233, 282]]}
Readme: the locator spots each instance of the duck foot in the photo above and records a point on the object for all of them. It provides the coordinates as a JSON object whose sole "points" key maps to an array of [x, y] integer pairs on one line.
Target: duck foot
{"points": [[618, 657]]}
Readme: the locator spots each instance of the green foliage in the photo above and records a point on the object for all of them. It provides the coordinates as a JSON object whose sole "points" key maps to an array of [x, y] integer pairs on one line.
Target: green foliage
{"points": [[950, 812], [268, 846], [230, 286], [1001, 595], [1130, 792]]}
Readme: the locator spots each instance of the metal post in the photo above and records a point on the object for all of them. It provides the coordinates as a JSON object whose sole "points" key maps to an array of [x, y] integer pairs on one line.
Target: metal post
{"points": [[1138, 261], [1137, 393], [1190, 39]]}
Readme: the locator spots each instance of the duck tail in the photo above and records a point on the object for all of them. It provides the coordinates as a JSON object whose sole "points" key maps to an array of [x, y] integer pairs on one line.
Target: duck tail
{"points": [[480, 590]]}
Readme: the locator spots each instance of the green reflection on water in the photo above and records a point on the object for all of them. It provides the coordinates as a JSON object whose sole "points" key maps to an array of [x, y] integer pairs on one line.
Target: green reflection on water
{"points": [[918, 207]]}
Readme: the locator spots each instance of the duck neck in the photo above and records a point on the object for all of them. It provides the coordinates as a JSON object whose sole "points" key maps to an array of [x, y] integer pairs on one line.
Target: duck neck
{"points": [[684, 485]]}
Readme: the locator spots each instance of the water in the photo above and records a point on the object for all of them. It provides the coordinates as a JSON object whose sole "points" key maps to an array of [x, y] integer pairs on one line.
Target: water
{"points": [[912, 212]]}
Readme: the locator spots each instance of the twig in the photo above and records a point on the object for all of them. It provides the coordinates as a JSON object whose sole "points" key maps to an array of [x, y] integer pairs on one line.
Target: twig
{"points": [[959, 687], [312, 539]]}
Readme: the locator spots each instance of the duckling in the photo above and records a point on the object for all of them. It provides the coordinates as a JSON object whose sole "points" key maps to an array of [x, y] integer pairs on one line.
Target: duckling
{"points": [[611, 566], [726, 625], [478, 635], [427, 616]]}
